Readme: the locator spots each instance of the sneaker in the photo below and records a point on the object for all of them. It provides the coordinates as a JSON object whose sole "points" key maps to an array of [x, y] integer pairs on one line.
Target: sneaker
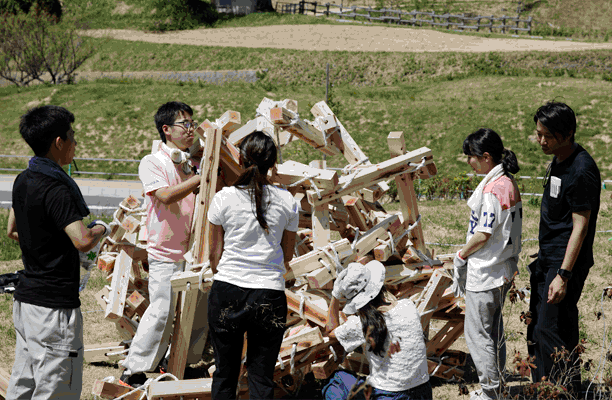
{"points": [[133, 380]]}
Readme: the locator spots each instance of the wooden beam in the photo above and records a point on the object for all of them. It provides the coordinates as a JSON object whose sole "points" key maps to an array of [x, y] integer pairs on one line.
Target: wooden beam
{"points": [[312, 312], [119, 286], [304, 339], [186, 308], [445, 338], [291, 171], [184, 389], [107, 390], [138, 303], [229, 122], [366, 176], [357, 214], [438, 283], [100, 352], [443, 371], [5, 377], [311, 261], [321, 232]]}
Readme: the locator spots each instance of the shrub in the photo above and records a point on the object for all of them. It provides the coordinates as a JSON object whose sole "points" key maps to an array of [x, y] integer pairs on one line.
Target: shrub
{"points": [[34, 48], [182, 14], [51, 7]]}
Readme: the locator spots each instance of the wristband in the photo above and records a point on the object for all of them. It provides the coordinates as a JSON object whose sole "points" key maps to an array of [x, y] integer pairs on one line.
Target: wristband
{"points": [[101, 223], [459, 255]]}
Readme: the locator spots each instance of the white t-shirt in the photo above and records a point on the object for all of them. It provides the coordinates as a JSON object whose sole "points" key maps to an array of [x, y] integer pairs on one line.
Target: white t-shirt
{"points": [[168, 226], [252, 259], [501, 215], [403, 370]]}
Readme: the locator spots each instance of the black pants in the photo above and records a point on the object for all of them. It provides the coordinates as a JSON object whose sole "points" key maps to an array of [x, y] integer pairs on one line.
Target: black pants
{"points": [[262, 314], [554, 325]]}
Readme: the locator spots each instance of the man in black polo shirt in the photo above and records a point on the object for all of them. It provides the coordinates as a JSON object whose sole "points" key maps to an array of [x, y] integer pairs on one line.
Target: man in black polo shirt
{"points": [[567, 229], [46, 219]]}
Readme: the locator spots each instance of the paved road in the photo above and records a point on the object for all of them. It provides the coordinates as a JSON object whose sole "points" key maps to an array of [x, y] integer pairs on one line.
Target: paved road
{"points": [[102, 196], [346, 38]]}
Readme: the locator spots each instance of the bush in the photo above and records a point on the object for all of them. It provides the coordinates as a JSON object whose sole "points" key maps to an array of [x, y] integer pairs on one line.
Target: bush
{"points": [[34, 48], [183, 14], [50, 7]]}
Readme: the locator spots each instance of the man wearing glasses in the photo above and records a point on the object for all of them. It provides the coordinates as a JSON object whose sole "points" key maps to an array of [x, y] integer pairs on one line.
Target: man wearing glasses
{"points": [[568, 218], [169, 180]]}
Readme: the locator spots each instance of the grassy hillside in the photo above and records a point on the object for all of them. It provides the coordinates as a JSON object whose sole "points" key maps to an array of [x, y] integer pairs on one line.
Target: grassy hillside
{"points": [[115, 119]]}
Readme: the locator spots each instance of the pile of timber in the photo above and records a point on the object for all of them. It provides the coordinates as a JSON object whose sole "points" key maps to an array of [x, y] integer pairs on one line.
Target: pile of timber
{"points": [[341, 221]]}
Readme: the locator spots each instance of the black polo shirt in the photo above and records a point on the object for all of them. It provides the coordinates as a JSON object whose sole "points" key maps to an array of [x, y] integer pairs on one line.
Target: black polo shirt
{"points": [[43, 208], [574, 185]]}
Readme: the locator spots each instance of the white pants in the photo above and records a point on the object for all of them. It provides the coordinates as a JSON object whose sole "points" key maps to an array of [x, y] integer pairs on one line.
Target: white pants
{"points": [[48, 353], [152, 337], [484, 334]]}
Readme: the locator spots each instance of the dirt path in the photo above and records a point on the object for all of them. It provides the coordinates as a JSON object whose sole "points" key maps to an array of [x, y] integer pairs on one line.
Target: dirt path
{"points": [[346, 38]]}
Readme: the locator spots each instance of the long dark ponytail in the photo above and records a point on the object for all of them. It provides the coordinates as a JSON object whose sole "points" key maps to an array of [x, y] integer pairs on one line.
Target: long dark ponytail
{"points": [[258, 153], [373, 323], [486, 140]]}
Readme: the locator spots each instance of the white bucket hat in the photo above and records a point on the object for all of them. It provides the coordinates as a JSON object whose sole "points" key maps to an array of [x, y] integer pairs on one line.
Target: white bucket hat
{"points": [[359, 284]]}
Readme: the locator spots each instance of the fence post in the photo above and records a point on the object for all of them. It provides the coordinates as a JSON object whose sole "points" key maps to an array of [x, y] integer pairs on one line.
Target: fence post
{"points": [[491, 24], [518, 20], [478, 24], [315, 9], [302, 6], [529, 24], [503, 24], [447, 21]]}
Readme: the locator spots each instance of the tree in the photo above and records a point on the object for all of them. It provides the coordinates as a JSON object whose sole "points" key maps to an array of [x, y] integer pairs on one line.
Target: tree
{"points": [[50, 7], [34, 48]]}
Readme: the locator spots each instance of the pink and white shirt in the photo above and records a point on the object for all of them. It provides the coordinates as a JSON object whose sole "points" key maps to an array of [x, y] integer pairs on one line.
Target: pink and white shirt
{"points": [[168, 226], [500, 213]]}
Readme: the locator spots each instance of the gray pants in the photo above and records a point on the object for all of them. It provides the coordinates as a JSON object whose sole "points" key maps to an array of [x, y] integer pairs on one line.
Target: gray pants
{"points": [[153, 335], [48, 353], [484, 334]]}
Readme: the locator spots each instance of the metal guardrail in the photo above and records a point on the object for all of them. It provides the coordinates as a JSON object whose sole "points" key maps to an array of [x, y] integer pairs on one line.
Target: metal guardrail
{"points": [[71, 171]]}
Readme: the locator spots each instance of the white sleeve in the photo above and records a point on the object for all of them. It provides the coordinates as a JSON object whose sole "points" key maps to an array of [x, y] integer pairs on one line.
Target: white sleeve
{"points": [[152, 174], [293, 219], [350, 334], [215, 211], [490, 214]]}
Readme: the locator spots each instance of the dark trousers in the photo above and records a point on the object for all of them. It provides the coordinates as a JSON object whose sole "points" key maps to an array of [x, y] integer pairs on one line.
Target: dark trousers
{"points": [[262, 314], [554, 325]]}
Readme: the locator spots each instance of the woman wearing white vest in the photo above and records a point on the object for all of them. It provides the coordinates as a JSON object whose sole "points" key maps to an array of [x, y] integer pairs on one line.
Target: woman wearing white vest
{"points": [[252, 238], [485, 266]]}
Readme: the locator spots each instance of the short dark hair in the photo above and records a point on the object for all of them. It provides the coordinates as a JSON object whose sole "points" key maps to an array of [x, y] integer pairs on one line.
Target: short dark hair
{"points": [[40, 126], [558, 118], [167, 113]]}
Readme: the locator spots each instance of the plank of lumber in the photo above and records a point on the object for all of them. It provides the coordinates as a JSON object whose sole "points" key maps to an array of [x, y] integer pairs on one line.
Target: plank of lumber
{"points": [[5, 377], [312, 312], [369, 240], [290, 172], [443, 371], [257, 124], [310, 262], [306, 357], [438, 283], [349, 148], [127, 327], [138, 303], [108, 390], [106, 262], [324, 369], [321, 232], [304, 339], [100, 352], [364, 177], [189, 280], [229, 122], [357, 214], [186, 308], [444, 338], [119, 286], [183, 389]]}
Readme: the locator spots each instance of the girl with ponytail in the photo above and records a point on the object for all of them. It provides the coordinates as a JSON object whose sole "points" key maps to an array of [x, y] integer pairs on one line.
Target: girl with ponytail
{"points": [[389, 328], [253, 225], [486, 265]]}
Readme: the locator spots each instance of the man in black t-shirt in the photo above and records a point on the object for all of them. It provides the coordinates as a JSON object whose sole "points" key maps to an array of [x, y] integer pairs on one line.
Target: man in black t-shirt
{"points": [[46, 219], [568, 219]]}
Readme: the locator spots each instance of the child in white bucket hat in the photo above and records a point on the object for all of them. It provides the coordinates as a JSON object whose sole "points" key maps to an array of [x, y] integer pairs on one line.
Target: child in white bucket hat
{"points": [[390, 329]]}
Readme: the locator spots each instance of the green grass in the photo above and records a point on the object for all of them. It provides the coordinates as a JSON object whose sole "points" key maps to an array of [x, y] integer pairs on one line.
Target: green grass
{"points": [[115, 119], [9, 249], [296, 67]]}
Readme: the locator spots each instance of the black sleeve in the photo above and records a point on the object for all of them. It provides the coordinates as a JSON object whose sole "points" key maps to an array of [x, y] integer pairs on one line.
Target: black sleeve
{"points": [[585, 186], [61, 207]]}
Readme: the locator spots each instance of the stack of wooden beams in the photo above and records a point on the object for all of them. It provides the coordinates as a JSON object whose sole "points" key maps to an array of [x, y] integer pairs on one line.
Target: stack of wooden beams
{"points": [[341, 221]]}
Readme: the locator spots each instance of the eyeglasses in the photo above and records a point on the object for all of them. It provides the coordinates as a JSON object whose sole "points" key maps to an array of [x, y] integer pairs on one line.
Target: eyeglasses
{"points": [[187, 124], [547, 176]]}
